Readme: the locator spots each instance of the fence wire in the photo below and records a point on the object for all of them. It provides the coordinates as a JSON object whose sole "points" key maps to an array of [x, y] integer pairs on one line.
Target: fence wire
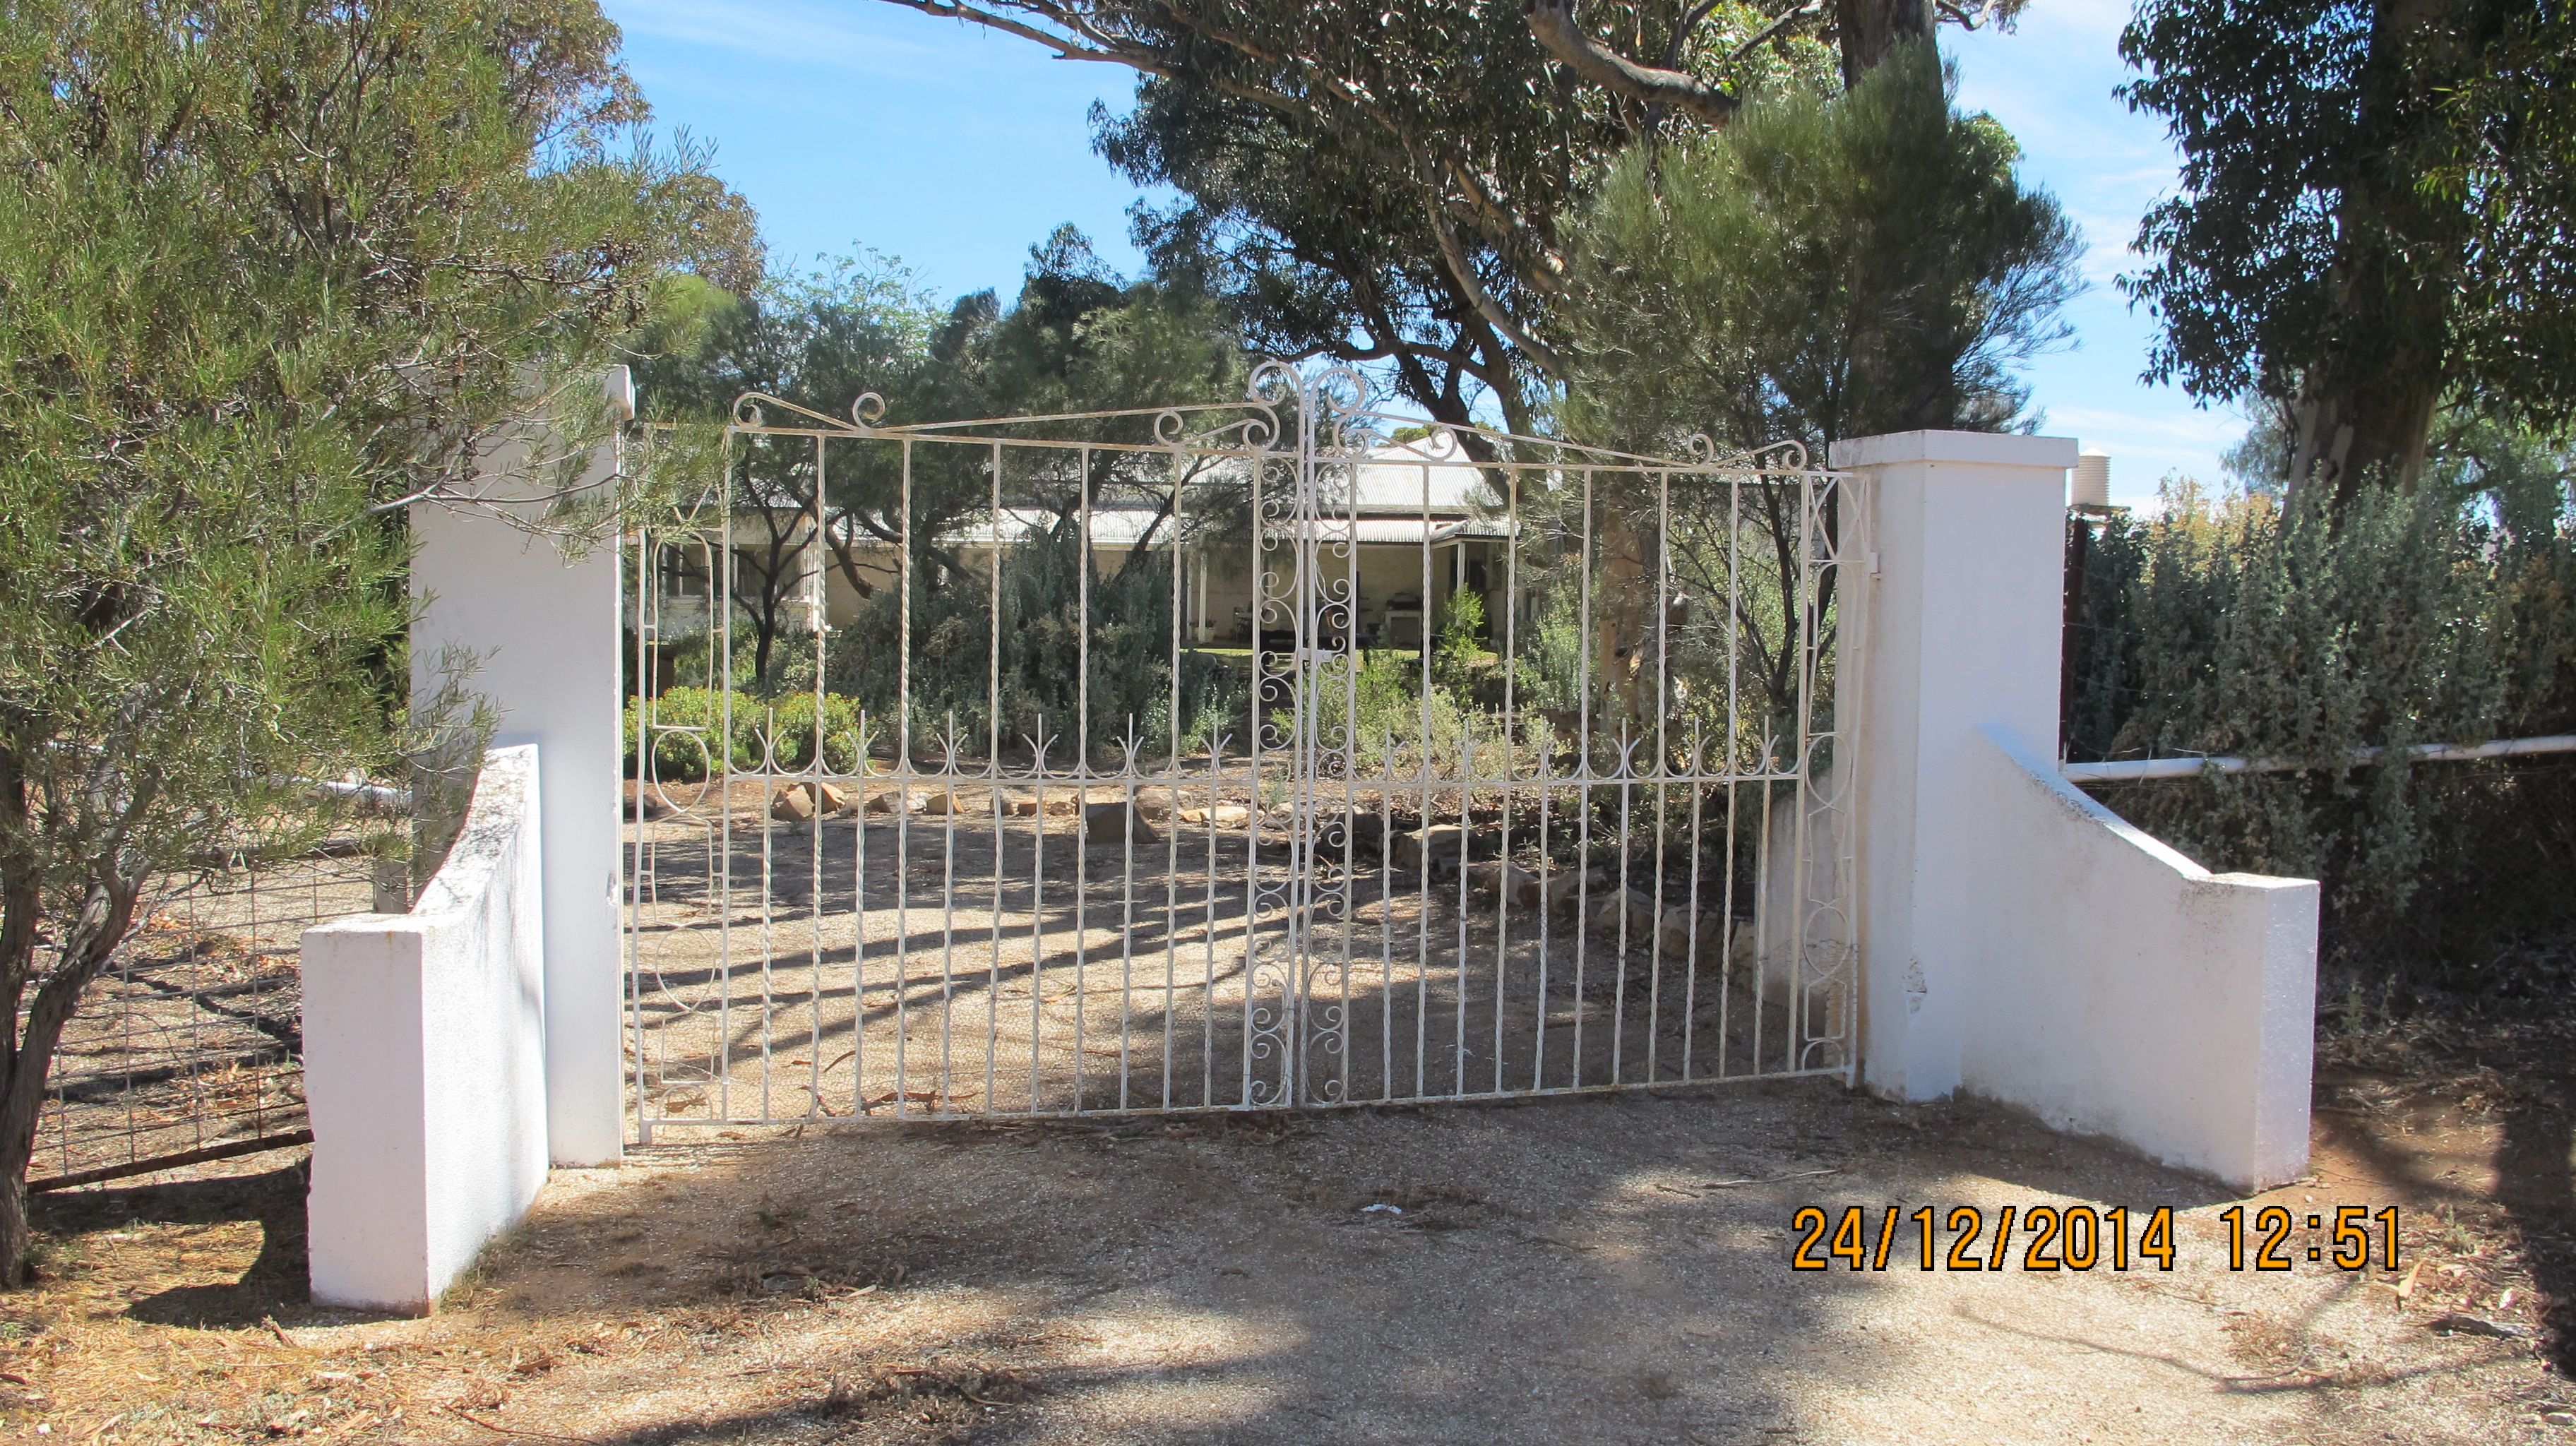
{"points": [[193, 1038]]}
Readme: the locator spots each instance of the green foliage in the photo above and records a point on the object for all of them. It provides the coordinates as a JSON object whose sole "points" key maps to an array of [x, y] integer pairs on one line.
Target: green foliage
{"points": [[2238, 627], [1312, 214], [1052, 657], [1404, 728], [1773, 280], [1458, 643], [2373, 216], [1392, 184], [265, 268], [691, 737]]}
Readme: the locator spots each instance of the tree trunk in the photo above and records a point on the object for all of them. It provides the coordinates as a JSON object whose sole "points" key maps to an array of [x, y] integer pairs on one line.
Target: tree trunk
{"points": [[89, 943], [13, 1227], [2364, 407], [1872, 29], [2349, 438]]}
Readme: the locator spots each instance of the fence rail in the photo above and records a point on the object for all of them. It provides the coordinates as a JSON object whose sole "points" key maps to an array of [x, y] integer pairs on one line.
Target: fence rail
{"points": [[2132, 770]]}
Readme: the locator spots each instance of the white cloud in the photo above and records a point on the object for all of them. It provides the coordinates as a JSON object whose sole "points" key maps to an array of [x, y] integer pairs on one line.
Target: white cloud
{"points": [[784, 35]]}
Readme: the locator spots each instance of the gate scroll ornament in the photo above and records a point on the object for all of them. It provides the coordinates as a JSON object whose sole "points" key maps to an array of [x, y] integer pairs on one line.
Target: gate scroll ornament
{"points": [[1596, 841]]}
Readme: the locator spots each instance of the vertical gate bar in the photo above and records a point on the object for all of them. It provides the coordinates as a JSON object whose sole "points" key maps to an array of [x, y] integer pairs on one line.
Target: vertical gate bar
{"points": [[1349, 882], [993, 775], [1663, 765], [1620, 891], [1859, 538], [1690, 967], [1037, 919], [1583, 786], [1810, 580], [1511, 757], [1172, 774], [993, 772], [1734, 758], [720, 778], [859, 929], [1000, 820], [1547, 887], [1252, 764], [948, 922], [1127, 916], [1208, 924], [816, 768], [1466, 831], [1764, 926], [768, 897], [1422, 780], [1082, 785], [1386, 913], [1466, 800], [632, 904], [901, 955], [1305, 566]]}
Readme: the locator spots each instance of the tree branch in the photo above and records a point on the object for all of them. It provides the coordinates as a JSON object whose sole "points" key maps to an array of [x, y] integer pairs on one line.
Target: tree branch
{"points": [[1463, 272], [1553, 23], [1064, 48], [1779, 22]]}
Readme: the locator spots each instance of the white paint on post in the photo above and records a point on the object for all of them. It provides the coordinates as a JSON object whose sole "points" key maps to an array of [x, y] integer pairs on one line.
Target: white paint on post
{"points": [[1964, 622], [545, 632], [424, 1061], [2123, 990], [1969, 532]]}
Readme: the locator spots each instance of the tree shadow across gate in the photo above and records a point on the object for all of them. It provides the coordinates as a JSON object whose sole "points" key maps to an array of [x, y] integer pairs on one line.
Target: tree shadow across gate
{"points": [[1163, 979]]}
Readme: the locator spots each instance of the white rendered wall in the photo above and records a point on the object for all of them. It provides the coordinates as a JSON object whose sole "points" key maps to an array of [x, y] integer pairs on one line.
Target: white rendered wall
{"points": [[424, 1061], [2124, 990], [545, 632], [1966, 541], [1968, 531]]}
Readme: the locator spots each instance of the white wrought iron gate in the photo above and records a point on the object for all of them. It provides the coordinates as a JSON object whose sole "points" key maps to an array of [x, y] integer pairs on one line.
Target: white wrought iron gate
{"points": [[1278, 754]]}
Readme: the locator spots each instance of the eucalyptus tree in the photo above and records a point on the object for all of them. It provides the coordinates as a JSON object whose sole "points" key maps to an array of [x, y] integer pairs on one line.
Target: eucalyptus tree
{"points": [[1390, 185], [2372, 220], [1772, 281], [269, 271], [818, 340]]}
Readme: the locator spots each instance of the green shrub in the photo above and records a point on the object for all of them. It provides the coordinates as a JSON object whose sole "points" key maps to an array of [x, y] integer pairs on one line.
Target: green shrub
{"points": [[688, 723], [1040, 648], [2232, 626]]}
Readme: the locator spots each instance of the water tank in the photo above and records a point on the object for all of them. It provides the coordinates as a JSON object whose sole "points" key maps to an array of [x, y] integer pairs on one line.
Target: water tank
{"points": [[2092, 479]]}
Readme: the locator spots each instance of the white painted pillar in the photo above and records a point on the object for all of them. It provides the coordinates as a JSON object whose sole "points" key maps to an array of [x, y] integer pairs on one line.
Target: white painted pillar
{"points": [[2018, 941], [546, 632], [1968, 599]]}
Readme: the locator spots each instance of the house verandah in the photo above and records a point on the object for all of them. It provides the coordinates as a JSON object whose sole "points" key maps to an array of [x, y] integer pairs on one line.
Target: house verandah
{"points": [[1426, 527]]}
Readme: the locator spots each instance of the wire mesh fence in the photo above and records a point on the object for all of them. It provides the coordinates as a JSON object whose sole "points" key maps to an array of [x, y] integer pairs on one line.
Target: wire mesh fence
{"points": [[191, 1043]]}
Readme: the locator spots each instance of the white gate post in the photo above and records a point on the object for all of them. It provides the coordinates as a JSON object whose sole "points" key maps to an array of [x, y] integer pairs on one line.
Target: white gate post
{"points": [[1970, 549], [2020, 942], [546, 634]]}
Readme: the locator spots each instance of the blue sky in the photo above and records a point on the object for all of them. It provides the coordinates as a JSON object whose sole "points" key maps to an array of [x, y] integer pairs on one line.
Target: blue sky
{"points": [[862, 125]]}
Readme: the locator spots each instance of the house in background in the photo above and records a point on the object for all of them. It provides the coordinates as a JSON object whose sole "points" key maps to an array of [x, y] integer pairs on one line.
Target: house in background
{"points": [[1424, 523]]}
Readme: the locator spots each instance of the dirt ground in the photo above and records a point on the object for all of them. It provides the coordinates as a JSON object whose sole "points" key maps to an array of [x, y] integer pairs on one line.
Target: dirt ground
{"points": [[1592, 1269], [966, 962]]}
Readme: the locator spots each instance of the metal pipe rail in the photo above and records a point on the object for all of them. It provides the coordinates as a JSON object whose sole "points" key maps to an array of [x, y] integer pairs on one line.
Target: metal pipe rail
{"points": [[2132, 770]]}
